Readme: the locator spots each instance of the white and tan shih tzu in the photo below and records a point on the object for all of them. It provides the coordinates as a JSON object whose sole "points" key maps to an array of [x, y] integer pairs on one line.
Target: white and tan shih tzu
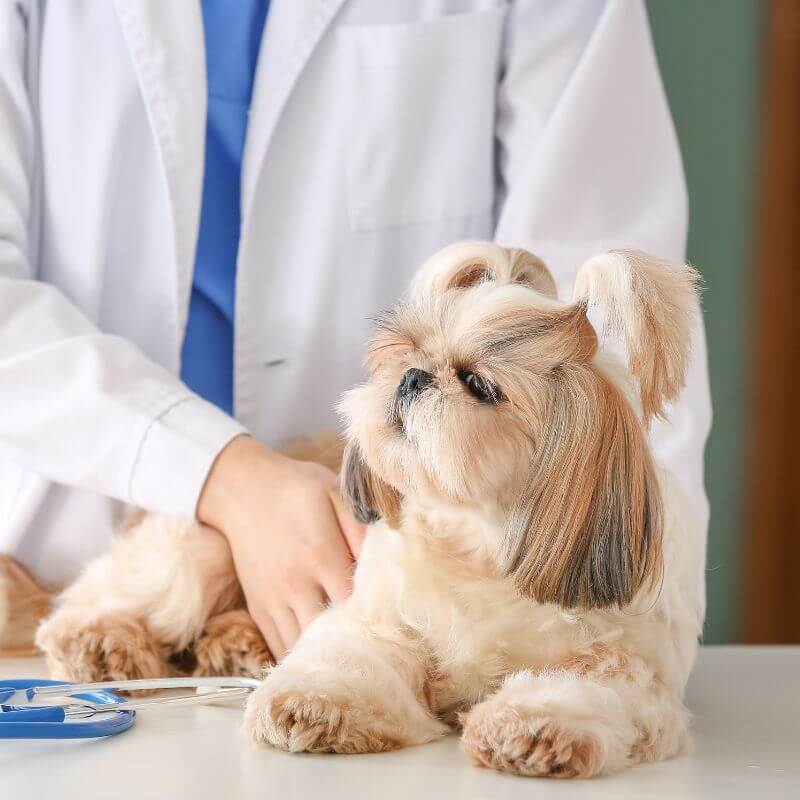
{"points": [[529, 574]]}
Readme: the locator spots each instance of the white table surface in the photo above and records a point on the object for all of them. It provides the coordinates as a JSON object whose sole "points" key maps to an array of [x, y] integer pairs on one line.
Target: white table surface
{"points": [[745, 701]]}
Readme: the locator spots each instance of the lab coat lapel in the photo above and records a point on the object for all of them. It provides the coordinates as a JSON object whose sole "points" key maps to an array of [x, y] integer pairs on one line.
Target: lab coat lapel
{"points": [[166, 43], [294, 28]]}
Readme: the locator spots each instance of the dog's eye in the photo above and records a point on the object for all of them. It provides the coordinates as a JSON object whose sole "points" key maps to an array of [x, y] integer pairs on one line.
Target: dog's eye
{"points": [[479, 387]]}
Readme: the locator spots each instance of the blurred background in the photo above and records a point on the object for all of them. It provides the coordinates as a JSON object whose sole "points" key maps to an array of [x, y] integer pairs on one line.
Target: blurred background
{"points": [[731, 69]]}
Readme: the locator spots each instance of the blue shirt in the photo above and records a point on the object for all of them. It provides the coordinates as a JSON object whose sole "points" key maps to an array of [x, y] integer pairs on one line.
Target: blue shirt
{"points": [[233, 36]]}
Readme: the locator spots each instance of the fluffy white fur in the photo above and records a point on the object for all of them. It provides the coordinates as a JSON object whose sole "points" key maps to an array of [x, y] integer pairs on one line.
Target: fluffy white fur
{"points": [[423, 638], [148, 599], [438, 628], [444, 626]]}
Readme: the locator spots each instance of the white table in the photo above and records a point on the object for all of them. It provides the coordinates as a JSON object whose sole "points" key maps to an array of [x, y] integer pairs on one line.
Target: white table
{"points": [[746, 705]]}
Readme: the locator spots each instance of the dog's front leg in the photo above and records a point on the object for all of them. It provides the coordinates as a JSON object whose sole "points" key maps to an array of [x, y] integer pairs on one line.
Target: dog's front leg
{"points": [[596, 713], [345, 688]]}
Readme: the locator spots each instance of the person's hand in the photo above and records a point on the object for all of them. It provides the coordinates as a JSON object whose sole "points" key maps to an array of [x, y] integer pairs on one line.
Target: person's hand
{"points": [[293, 540]]}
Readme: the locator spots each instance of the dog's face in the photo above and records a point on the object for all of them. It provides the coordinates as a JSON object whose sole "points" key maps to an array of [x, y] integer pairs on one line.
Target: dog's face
{"points": [[485, 390], [453, 405]]}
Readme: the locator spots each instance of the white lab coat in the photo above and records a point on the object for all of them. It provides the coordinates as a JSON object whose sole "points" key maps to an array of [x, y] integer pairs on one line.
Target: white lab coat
{"points": [[379, 132]]}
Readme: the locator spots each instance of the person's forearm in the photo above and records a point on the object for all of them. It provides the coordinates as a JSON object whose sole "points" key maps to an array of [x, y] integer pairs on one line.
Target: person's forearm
{"points": [[90, 410], [79, 406]]}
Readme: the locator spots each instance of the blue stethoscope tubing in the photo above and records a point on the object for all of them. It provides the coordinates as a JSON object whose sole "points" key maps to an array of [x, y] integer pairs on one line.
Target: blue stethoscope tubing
{"points": [[47, 722]]}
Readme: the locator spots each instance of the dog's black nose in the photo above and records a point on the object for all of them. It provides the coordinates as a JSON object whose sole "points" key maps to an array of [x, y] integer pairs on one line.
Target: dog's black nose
{"points": [[413, 382]]}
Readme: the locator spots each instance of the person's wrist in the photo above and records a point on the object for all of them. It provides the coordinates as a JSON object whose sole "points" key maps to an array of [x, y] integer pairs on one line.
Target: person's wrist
{"points": [[232, 469]]}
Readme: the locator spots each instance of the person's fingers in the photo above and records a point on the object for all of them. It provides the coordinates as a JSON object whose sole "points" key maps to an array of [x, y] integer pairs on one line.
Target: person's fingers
{"points": [[352, 529], [337, 581], [269, 630], [308, 604], [335, 570], [288, 627]]}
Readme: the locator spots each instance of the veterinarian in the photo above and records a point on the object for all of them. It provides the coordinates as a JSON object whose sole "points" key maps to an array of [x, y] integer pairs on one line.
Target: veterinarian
{"points": [[203, 204]]}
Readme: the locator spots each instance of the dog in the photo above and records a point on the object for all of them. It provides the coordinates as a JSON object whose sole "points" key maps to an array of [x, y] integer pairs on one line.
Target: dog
{"points": [[529, 572]]}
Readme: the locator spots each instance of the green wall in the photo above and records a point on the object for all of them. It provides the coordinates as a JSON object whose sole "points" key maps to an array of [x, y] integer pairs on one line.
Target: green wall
{"points": [[709, 56]]}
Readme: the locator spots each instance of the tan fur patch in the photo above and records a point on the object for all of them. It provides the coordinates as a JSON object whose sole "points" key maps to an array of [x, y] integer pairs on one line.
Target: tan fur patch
{"points": [[23, 605], [318, 724], [467, 264], [82, 647], [599, 660], [511, 740], [647, 748], [132, 522], [651, 303], [231, 644], [325, 448], [531, 270], [471, 274]]}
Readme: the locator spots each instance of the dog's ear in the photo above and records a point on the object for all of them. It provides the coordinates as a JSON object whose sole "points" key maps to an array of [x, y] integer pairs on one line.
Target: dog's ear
{"points": [[586, 529], [469, 263], [651, 304], [370, 497]]}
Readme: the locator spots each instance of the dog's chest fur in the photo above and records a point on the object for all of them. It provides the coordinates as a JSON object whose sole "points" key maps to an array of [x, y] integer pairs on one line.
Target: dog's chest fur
{"points": [[436, 577]]}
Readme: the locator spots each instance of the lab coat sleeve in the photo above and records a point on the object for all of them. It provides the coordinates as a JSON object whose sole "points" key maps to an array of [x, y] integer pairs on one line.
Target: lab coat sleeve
{"points": [[78, 406], [588, 160]]}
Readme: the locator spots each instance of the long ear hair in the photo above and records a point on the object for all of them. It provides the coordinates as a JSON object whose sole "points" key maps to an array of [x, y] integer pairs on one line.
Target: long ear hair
{"points": [[651, 304], [465, 264], [586, 530], [370, 497]]}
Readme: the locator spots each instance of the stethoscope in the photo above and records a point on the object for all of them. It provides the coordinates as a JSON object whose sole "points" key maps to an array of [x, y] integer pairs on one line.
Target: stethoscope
{"points": [[39, 709]]}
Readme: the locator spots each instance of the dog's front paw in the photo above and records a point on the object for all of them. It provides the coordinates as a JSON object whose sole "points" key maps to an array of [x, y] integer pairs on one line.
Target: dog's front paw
{"points": [[304, 721], [83, 647], [307, 718], [517, 740], [329, 712], [231, 644]]}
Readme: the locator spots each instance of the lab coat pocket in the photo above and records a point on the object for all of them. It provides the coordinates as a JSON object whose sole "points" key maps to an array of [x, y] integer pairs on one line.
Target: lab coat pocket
{"points": [[422, 119]]}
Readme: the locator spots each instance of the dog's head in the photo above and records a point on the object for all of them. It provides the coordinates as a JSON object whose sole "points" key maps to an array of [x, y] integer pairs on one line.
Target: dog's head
{"points": [[487, 390]]}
